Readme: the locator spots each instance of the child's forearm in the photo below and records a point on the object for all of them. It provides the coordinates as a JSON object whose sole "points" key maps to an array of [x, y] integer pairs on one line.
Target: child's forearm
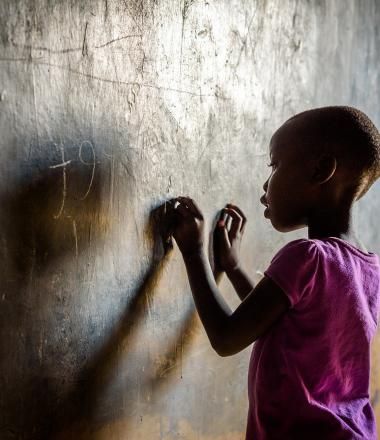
{"points": [[218, 274], [241, 282], [212, 309]]}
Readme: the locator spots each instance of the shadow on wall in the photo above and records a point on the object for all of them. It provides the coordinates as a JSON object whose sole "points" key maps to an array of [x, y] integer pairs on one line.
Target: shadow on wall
{"points": [[46, 224]]}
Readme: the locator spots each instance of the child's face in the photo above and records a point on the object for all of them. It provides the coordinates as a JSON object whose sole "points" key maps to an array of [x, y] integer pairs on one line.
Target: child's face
{"points": [[289, 191]]}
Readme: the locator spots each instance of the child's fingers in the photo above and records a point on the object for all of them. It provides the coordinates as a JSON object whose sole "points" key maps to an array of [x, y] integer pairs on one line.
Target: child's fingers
{"points": [[165, 211], [223, 216], [236, 222], [236, 208], [192, 206], [171, 204], [223, 235], [181, 208]]}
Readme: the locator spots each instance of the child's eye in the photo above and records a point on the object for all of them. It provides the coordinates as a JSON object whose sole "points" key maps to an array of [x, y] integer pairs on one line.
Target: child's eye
{"points": [[270, 164]]}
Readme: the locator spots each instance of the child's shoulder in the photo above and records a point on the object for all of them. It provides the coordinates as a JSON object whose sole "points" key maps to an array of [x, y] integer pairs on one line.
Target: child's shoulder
{"points": [[300, 244], [300, 248], [336, 245], [325, 248]]}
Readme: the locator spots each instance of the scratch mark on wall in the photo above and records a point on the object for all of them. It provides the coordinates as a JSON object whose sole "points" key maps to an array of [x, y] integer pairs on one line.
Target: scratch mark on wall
{"points": [[111, 81], [16, 59], [131, 14], [83, 48], [182, 29], [46, 49], [125, 166], [117, 39], [84, 45], [202, 153], [186, 6], [87, 163], [170, 184], [106, 10], [244, 41], [131, 98]]}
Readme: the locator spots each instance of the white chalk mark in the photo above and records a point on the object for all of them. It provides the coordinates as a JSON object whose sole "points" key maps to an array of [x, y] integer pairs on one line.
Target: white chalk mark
{"points": [[88, 163], [149, 305], [76, 238], [181, 356], [35, 111], [111, 185], [63, 165], [40, 348]]}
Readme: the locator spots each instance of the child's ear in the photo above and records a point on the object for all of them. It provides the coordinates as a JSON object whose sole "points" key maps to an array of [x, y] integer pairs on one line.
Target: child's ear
{"points": [[324, 169]]}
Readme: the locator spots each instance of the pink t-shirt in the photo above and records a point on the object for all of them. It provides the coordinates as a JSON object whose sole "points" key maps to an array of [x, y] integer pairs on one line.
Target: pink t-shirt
{"points": [[309, 374]]}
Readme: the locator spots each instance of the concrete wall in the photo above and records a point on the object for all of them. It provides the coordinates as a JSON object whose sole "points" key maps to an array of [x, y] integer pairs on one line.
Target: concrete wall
{"points": [[107, 108]]}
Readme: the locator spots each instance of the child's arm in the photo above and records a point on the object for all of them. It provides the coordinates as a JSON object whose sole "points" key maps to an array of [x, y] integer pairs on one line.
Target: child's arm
{"points": [[242, 283], [226, 244], [229, 332]]}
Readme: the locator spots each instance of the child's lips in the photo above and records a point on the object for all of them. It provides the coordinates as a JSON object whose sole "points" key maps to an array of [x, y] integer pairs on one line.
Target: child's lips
{"points": [[263, 200]]}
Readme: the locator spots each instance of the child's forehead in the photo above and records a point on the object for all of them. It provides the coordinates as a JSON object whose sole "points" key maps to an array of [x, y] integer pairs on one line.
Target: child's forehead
{"points": [[278, 143], [284, 142], [288, 138]]}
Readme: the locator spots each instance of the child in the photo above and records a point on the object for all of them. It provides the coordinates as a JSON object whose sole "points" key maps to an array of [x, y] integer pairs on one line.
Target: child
{"points": [[315, 311]]}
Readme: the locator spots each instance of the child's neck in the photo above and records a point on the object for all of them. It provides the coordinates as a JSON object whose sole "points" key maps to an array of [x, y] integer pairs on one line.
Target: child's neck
{"points": [[334, 224]]}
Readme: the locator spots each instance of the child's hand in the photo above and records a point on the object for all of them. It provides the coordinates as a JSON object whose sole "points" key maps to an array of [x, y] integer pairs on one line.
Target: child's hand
{"points": [[226, 243], [187, 224]]}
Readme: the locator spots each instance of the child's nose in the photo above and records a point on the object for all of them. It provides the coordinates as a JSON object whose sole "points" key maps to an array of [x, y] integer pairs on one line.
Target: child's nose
{"points": [[265, 186]]}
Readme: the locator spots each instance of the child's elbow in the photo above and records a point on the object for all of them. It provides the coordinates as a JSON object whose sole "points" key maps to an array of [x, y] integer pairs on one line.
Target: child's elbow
{"points": [[228, 346], [223, 349], [222, 353]]}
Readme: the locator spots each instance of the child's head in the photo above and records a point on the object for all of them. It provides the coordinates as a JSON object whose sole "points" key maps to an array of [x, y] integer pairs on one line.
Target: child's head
{"points": [[323, 160]]}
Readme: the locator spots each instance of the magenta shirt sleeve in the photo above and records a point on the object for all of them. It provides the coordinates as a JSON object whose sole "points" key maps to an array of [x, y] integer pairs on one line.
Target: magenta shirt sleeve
{"points": [[294, 269]]}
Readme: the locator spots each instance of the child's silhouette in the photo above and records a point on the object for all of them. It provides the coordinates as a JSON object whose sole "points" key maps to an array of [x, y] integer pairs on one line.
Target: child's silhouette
{"points": [[315, 311]]}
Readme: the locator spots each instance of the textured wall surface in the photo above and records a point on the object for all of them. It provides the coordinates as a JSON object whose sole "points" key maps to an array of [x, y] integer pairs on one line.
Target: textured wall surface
{"points": [[108, 108]]}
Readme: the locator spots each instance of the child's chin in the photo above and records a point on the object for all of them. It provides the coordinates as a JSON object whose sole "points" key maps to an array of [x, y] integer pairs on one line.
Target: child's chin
{"points": [[280, 227], [286, 228]]}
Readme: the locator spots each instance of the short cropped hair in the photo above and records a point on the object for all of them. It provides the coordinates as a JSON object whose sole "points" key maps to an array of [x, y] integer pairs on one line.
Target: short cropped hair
{"points": [[349, 134]]}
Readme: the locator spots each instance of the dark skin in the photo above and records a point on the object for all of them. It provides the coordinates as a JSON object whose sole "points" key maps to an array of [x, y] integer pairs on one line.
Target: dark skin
{"points": [[313, 195]]}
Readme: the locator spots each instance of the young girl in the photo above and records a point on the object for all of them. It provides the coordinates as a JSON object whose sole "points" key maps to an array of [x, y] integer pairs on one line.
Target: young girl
{"points": [[314, 313]]}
